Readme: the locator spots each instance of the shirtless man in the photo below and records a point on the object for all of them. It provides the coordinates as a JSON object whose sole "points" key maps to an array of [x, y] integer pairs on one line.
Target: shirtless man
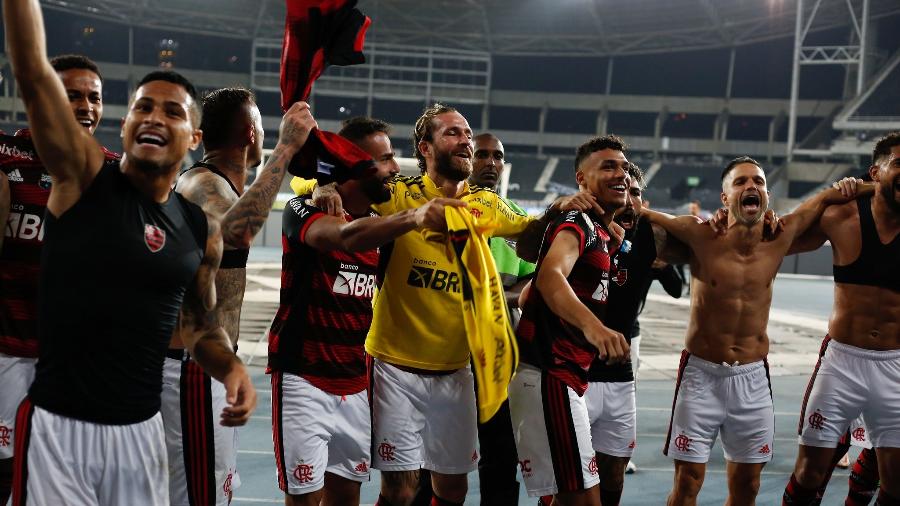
{"points": [[232, 143], [723, 376], [859, 368]]}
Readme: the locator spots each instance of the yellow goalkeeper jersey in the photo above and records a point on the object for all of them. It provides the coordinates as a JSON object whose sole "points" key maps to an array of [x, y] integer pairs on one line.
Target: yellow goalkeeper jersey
{"points": [[417, 320]]}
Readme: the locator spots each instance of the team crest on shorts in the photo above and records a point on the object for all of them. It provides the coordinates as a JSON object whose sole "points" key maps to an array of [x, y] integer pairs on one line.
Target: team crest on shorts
{"points": [[154, 238], [816, 420], [859, 434], [621, 277], [683, 443], [5, 436], [386, 451], [303, 473]]}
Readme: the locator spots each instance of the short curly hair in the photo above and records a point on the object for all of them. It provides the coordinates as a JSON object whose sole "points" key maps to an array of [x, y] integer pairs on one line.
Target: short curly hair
{"points": [[883, 147], [598, 144]]}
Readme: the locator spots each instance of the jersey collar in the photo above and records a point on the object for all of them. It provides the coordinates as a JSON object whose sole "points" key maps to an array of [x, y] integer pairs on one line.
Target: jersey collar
{"points": [[432, 190]]}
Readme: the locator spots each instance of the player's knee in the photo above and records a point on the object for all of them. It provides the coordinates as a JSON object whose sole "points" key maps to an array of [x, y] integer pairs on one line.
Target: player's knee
{"points": [[310, 499], [611, 471], [809, 476], [399, 487], [688, 482], [744, 486], [452, 487]]}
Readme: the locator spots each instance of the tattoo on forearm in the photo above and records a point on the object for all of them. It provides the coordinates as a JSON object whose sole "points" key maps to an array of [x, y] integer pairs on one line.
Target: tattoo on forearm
{"points": [[248, 215]]}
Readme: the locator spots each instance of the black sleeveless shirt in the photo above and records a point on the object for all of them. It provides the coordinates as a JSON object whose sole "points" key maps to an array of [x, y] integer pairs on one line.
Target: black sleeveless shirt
{"points": [[878, 264], [115, 268], [231, 258]]}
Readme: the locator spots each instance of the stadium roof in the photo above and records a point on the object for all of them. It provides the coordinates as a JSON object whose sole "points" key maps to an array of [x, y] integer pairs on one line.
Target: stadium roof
{"points": [[509, 27]]}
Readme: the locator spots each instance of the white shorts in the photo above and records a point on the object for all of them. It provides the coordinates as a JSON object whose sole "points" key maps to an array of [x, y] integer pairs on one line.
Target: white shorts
{"points": [[316, 432], [613, 416], [202, 452], [849, 382], [709, 398], [68, 461], [16, 375], [553, 434], [422, 420]]}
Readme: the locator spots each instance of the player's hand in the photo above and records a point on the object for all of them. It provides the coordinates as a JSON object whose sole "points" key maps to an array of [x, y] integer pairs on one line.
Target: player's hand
{"points": [[295, 127], [432, 216], [611, 344], [848, 186], [773, 226], [719, 221], [617, 235], [659, 264], [240, 396], [327, 198], [582, 201]]}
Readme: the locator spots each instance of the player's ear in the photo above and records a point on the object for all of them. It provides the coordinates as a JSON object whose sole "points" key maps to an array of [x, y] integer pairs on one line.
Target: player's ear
{"points": [[724, 198]]}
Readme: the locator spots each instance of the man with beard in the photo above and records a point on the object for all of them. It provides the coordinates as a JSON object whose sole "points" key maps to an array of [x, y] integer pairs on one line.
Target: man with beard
{"points": [[232, 143], [321, 417], [561, 332], [610, 396], [497, 467], [90, 431], [27, 189], [421, 386], [723, 376], [859, 367]]}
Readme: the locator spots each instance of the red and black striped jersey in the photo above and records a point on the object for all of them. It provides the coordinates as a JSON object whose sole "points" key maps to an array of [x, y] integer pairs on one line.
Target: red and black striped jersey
{"points": [[546, 340], [325, 309], [20, 259]]}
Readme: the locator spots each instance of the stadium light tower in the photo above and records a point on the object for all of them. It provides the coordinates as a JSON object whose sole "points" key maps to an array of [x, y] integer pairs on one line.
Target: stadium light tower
{"points": [[825, 55]]}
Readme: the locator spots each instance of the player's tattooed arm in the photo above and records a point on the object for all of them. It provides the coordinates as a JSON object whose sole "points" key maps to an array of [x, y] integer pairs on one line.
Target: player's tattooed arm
{"points": [[68, 150], [207, 190], [668, 248], [4, 206], [208, 342], [248, 215]]}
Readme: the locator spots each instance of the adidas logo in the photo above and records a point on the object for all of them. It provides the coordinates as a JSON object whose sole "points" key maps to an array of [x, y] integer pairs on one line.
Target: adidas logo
{"points": [[362, 467], [16, 176]]}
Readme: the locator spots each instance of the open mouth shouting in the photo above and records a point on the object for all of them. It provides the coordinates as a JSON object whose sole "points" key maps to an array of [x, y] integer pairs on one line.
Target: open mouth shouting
{"points": [[626, 219], [750, 203]]}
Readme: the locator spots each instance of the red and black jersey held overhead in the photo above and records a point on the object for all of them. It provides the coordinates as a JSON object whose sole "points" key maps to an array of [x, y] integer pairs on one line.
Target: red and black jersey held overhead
{"points": [[326, 308], [548, 341]]}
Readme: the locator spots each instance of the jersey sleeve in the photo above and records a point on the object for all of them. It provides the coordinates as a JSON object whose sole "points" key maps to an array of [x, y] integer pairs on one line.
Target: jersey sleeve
{"points": [[577, 222], [510, 220], [303, 186], [298, 215]]}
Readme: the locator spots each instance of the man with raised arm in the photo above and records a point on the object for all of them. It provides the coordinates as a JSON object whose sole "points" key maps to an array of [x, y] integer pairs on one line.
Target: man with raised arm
{"points": [[123, 256], [232, 144], [723, 383], [858, 372], [28, 188]]}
